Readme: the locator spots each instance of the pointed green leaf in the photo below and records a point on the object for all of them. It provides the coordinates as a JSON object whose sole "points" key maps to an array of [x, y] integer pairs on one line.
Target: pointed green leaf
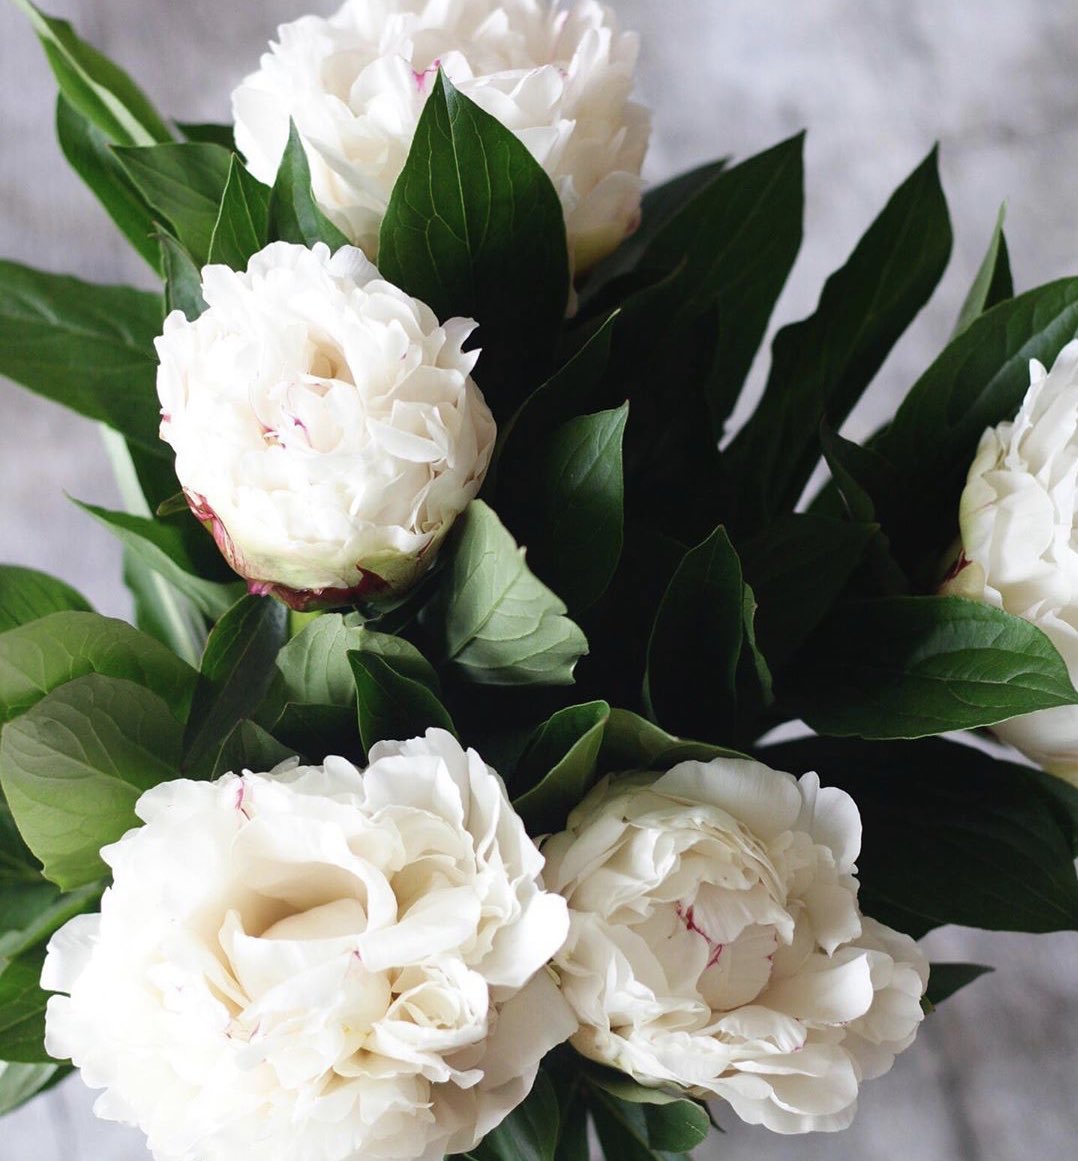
{"points": [[474, 227], [20, 1082], [73, 766], [208, 133], [529, 1133], [947, 978], [101, 92], [391, 705], [88, 152], [184, 183], [85, 346], [22, 1011], [631, 742], [501, 625], [183, 279], [26, 595], [242, 227], [32, 912], [821, 366], [237, 668], [907, 667], [993, 283], [36, 658], [249, 747], [294, 215]]}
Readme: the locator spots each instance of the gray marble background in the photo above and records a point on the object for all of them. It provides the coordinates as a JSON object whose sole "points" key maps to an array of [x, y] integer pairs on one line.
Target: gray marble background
{"points": [[994, 1073]]}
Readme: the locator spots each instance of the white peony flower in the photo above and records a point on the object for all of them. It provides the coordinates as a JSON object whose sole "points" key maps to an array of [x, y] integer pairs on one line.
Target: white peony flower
{"points": [[325, 424], [355, 85], [316, 964], [1019, 522], [715, 942]]}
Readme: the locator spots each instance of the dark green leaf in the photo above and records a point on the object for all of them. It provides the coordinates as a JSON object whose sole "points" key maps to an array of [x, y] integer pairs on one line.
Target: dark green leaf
{"points": [[906, 667], [73, 766], [294, 215], [631, 742], [249, 747], [183, 279], [391, 705], [208, 133], [85, 346], [821, 366], [237, 669], [633, 1130], [88, 152], [499, 624], [559, 766], [475, 228], [738, 238], [26, 595], [184, 183], [31, 912], [993, 283], [798, 567], [101, 92], [992, 850], [572, 514], [978, 381], [166, 549], [242, 227], [529, 1133], [38, 657], [696, 643], [22, 1011], [947, 978]]}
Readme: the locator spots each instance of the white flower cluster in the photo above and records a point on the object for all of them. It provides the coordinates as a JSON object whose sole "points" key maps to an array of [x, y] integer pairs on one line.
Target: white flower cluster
{"points": [[1019, 521], [325, 425], [355, 85]]}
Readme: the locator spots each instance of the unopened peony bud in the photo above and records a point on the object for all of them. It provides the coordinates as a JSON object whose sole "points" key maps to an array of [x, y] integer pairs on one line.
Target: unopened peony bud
{"points": [[1020, 545], [325, 424], [355, 85]]}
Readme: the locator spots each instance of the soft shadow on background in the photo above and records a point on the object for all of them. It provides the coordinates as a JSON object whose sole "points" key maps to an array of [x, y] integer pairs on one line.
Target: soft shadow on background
{"points": [[993, 1074]]}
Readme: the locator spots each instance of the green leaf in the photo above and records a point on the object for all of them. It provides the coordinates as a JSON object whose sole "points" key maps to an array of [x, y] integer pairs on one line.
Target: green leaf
{"points": [[163, 613], [101, 92], [38, 657], [738, 238], [20, 1082], [978, 381], [631, 742], [184, 183], [167, 550], [208, 133], [947, 978], [85, 346], [500, 625], [183, 279], [242, 226], [88, 152], [571, 506], [798, 568], [249, 747], [560, 766], [993, 283], [237, 669], [629, 1130], [73, 766], [26, 595], [529, 1133], [475, 228], [391, 705], [32, 912], [821, 366], [696, 644], [906, 667], [992, 850], [22, 1012], [294, 215]]}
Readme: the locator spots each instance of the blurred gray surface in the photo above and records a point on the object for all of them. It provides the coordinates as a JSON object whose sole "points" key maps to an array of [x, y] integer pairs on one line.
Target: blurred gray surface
{"points": [[993, 1075]]}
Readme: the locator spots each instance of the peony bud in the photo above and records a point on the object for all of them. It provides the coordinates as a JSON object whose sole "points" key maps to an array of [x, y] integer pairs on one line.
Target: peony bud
{"points": [[325, 424], [355, 85], [1019, 544]]}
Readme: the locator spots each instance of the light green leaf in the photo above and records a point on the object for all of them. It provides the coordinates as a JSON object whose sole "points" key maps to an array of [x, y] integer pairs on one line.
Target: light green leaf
{"points": [[26, 595], [73, 766], [501, 625], [101, 92], [294, 215], [85, 346], [475, 228], [20, 1082]]}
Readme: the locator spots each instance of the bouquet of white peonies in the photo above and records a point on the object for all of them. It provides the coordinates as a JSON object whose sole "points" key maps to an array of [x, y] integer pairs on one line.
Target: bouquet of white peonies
{"points": [[433, 803]]}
